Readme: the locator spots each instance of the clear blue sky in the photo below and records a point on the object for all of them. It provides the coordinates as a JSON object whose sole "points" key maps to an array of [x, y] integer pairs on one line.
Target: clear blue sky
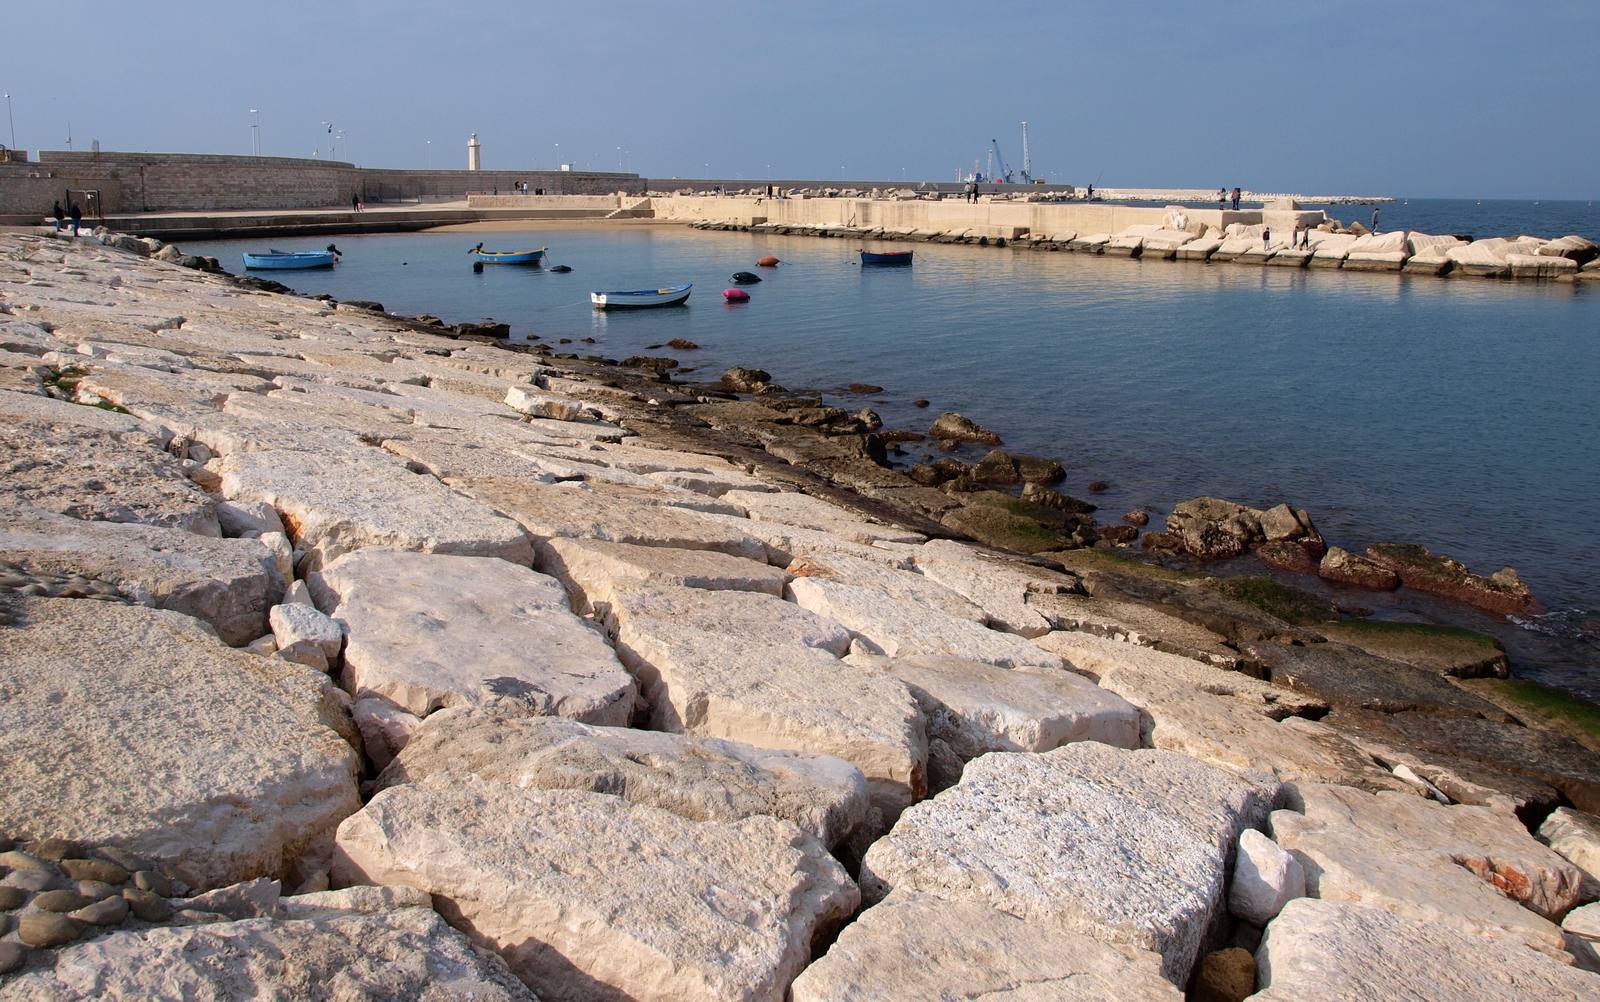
{"points": [[1409, 97]]}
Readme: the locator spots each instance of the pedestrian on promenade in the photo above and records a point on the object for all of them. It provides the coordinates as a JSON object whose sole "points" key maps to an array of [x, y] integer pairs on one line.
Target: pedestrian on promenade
{"points": [[1236, 198], [1091, 193], [76, 213], [1266, 238], [56, 213], [1375, 212], [1222, 199]]}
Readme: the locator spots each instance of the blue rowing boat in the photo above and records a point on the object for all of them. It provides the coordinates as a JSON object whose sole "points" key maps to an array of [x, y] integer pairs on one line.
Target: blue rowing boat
{"points": [[672, 295], [891, 257], [528, 257], [277, 260]]}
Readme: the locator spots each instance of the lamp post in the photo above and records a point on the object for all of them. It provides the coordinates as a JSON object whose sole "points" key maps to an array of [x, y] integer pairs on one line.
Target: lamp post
{"points": [[429, 144], [619, 159], [558, 156], [13, 121], [328, 128], [339, 138], [255, 132]]}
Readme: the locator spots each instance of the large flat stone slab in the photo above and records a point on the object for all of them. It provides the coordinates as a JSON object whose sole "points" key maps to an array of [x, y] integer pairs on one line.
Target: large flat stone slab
{"points": [[907, 629], [900, 585], [1127, 847], [220, 765], [406, 953], [756, 669], [1471, 868], [1116, 618], [1005, 590], [1350, 953], [426, 631], [703, 779], [579, 511], [590, 897], [228, 583], [333, 504], [783, 543], [807, 512], [595, 572], [916, 946]]}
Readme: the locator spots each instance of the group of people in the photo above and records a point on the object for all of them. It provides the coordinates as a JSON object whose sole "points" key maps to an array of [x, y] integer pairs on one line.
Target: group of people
{"points": [[1223, 197], [356, 204], [1301, 240], [971, 189], [74, 212]]}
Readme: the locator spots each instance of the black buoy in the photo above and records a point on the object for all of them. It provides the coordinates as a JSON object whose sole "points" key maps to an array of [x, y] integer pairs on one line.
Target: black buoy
{"points": [[477, 267], [562, 268], [745, 278]]}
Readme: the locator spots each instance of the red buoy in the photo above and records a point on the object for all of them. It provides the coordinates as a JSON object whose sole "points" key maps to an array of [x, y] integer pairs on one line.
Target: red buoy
{"points": [[767, 262], [736, 295]]}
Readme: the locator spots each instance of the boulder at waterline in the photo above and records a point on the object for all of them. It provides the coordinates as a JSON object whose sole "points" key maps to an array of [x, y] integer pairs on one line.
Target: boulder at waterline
{"points": [[1502, 592], [426, 631], [588, 896], [953, 427]]}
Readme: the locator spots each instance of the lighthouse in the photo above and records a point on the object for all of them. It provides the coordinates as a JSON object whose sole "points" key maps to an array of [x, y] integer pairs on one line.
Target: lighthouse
{"points": [[474, 153]]}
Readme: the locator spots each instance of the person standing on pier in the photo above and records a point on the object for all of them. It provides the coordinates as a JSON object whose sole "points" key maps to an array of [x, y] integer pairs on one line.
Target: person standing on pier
{"points": [[1222, 199], [1236, 199], [56, 214], [1266, 238], [1375, 211], [76, 212]]}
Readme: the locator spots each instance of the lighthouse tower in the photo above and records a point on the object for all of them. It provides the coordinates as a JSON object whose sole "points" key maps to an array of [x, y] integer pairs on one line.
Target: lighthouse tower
{"points": [[474, 153]]}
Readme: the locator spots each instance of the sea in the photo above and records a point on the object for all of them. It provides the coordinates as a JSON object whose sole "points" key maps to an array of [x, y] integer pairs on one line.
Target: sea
{"points": [[1463, 415]]}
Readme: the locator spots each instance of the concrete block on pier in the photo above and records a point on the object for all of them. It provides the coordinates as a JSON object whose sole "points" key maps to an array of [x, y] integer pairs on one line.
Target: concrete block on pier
{"points": [[1542, 267], [1378, 252], [1290, 258], [1199, 249], [1329, 249]]}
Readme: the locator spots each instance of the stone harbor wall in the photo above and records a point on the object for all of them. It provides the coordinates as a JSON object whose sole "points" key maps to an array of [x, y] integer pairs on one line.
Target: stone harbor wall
{"points": [[351, 655]]}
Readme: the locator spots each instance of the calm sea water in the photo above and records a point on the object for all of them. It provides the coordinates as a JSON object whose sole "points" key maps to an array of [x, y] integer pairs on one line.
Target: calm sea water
{"points": [[1457, 414]]}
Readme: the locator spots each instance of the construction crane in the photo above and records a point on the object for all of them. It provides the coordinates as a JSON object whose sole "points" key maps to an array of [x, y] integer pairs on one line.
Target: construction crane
{"points": [[1007, 175]]}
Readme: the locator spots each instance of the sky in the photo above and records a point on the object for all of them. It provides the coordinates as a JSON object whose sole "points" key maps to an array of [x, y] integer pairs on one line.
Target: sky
{"points": [[1470, 98]]}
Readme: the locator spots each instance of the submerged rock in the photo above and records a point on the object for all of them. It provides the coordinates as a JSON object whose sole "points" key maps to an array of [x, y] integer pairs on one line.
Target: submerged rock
{"points": [[1502, 592]]}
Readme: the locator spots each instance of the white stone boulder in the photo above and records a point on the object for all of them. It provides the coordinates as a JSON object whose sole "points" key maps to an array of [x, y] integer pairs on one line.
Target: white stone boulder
{"points": [[531, 402], [384, 727], [1580, 250], [1004, 589], [249, 518], [595, 572], [1581, 929], [1576, 836], [782, 544], [1378, 252], [426, 631], [756, 669], [216, 763], [325, 954], [1472, 868], [1351, 953], [807, 512], [1127, 847], [906, 629], [703, 779], [588, 896], [1265, 878], [296, 622], [333, 504], [1541, 267], [916, 946], [897, 584], [1329, 249]]}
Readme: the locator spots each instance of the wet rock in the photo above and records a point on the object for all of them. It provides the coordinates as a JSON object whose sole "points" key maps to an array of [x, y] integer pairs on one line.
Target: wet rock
{"points": [[864, 388], [998, 467], [1332, 950], [1286, 555], [939, 471], [1098, 486], [1225, 976], [1502, 592], [917, 946], [743, 380], [953, 427], [682, 344], [703, 779], [1117, 535], [1214, 529], [1041, 495], [921, 403], [1008, 523], [1347, 677], [1139, 518], [1343, 567], [585, 894], [1443, 649], [1129, 847]]}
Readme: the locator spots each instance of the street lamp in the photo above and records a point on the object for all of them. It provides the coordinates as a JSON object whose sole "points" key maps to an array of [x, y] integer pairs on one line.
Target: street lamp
{"points": [[429, 144], [619, 159], [558, 156], [328, 127], [13, 122], [255, 132]]}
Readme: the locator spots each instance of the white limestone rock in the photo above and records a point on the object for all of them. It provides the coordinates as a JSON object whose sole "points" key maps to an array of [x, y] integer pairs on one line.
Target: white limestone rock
{"points": [[1378, 252], [385, 728], [703, 779], [546, 405], [294, 623], [1576, 836], [1351, 953], [916, 946], [333, 504], [1112, 617], [1472, 868], [755, 669], [426, 631], [1003, 589], [595, 572], [1581, 930], [249, 518], [1265, 878], [220, 765], [784, 543], [588, 896], [807, 512], [1127, 847], [1541, 267], [899, 585], [328, 955], [581, 511], [228, 583]]}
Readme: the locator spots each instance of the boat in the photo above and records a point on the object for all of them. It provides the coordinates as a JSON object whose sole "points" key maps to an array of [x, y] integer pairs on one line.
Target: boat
{"points": [[672, 295], [889, 257], [277, 260], [736, 295], [529, 257]]}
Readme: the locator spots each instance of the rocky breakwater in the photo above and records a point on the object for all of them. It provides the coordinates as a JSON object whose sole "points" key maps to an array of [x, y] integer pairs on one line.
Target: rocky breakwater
{"points": [[342, 658]]}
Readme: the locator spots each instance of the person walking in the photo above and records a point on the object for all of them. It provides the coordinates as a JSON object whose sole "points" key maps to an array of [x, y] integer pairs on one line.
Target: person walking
{"points": [[1236, 199], [1266, 238], [76, 212], [56, 213], [1222, 199], [1375, 212]]}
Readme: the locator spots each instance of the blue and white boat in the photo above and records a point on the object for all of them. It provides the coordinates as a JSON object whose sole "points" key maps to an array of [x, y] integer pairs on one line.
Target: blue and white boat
{"points": [[672, 295], [886, 257], [527, 257], [277, 260]]}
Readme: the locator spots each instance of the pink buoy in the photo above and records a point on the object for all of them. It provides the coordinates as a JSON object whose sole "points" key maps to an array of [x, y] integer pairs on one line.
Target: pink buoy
{"points": [[736, 295]]}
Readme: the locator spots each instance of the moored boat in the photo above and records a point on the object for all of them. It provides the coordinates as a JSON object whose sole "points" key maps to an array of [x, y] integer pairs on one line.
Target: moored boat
{"points": [[672, 295], [277, 260], [889, 257], [528, 257]]}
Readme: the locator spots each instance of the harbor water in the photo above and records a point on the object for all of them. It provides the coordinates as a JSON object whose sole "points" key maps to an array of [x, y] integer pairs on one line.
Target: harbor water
{"points": [[1459, 414]]}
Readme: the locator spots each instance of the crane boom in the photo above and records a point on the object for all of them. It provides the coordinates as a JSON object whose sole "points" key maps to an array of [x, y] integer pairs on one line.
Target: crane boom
{"points": [[1000, 158]]}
